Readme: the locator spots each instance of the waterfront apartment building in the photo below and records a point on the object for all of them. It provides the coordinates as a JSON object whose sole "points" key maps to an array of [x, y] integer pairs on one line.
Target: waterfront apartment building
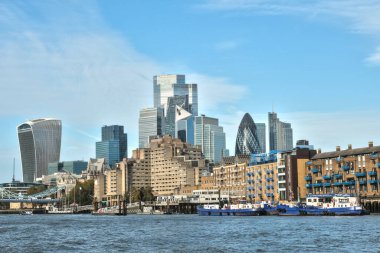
{"points": [[40, 144], [166, 86], [247, 141], [114, 144], [151, 124], [353, 171], [280, 133], [211, 137]]}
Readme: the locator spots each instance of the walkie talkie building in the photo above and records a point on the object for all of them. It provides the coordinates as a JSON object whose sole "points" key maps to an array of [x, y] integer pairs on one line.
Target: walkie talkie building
{"points": [[247, 141], [40, 144]]}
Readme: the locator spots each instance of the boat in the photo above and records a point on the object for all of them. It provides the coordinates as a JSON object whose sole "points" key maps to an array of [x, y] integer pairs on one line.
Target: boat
{"points": [[241, 209], [26, 212], [289, 209]]}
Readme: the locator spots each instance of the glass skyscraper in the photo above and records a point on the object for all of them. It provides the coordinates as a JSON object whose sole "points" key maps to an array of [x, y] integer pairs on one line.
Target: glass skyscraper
{"points": [[151, 123], [114, 144], [261, 135], [40, 144], [210, 136], [280, 133], [170, 119], [247, 142]]}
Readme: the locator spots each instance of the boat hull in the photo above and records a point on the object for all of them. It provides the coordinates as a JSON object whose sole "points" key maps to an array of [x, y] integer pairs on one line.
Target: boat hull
{"points": [[227, 212]]}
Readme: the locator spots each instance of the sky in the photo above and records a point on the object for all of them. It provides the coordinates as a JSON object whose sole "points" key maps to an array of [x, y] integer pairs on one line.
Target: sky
{"points": [[91, 63]]}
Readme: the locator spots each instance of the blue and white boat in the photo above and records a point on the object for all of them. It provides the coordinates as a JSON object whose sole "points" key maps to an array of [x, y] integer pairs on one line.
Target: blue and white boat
{"points": [[241, 209]]}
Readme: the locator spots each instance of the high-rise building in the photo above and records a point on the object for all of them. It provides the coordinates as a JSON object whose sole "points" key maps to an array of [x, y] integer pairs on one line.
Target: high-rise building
{"points": [[40, 144], [261, 135], [114, 144], [247, 141], [151, 123], [184, 125], [210, 136], [280, 133], [175, 103], [166, 86], [73, 167]]}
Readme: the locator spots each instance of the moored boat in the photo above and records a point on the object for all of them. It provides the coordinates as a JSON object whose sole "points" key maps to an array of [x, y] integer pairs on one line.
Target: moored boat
{"points": [[241, 209]]}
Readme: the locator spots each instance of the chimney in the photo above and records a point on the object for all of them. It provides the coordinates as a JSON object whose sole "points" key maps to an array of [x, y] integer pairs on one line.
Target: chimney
{"points": [[337, 148], [349, 146], [370, 144]]}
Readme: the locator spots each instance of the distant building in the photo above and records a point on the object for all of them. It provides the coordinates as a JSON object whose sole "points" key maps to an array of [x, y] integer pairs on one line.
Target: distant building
{"points": [[261, 136], [114, 144], [280, 133], [175, 103], [40, 144], [184, 125], [210, 136], [165, 86], [151, 123], [247, 141], [73, 167]]}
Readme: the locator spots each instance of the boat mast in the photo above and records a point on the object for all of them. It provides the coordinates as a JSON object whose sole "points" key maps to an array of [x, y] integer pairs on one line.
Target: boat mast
{"points": [[13, 178]]}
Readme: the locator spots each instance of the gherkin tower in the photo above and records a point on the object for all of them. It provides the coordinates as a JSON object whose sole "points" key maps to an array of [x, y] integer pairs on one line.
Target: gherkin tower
{"points": [[247, 141]]}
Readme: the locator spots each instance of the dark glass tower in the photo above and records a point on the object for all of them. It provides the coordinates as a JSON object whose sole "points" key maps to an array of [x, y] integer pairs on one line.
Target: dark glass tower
{"points": [[247, 141]]}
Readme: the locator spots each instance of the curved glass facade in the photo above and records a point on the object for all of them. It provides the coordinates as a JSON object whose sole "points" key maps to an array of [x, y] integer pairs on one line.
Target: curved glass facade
{"points": [[247, 141], [40, 144]]}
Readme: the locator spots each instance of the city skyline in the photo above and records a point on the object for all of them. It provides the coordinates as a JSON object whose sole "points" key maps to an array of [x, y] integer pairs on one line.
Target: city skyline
{"points": [[318, 64]]}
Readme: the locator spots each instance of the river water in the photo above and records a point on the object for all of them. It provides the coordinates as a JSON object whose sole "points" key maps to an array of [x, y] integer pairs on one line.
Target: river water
{"points": [[188, 233]]}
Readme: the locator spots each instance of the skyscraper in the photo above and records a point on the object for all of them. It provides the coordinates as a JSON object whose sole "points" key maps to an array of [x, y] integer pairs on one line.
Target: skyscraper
{"points": [[174, 103], [247, 142], [165, 86], [151, 123], [210, 136], [114, 144], [261, 136], [40, 144], [280, 133]]}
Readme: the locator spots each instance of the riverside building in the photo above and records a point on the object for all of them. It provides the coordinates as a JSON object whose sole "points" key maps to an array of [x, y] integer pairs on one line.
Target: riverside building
{"points": [[40, 144], [349, 171]]}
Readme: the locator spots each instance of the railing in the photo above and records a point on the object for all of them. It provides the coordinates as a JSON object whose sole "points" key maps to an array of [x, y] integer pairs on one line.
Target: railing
{"points": [[372, 173], [360, 174], [326, 184], [309, 185], [372, 181], [309, 163], [345, 167], [326, 177], [338, 176], [338, 184], [374, 156], [314, 170], [362, 182], [378, 165], [348, 183], [317, 185], [308, 178], [339, 159]]}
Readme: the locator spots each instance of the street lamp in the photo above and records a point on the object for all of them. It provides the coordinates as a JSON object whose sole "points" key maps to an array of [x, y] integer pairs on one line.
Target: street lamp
{"points": [[80, 195]]}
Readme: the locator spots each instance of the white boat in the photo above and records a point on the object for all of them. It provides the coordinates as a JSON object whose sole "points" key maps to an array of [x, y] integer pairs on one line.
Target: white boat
{"points": [[26, 212]]}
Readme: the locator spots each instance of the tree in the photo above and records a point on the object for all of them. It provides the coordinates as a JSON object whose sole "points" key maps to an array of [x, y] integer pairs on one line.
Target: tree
{"points": [[84, 192]]}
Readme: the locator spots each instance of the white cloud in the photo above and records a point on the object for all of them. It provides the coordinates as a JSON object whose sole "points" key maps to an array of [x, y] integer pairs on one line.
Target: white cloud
{"points": [[375, 57]]}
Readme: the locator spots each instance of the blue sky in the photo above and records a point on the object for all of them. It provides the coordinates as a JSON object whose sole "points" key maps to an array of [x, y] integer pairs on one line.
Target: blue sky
{"points": [[90, 63]]}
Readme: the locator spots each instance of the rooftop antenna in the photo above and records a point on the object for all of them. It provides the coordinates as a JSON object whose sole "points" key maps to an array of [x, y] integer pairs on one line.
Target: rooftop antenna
{"points": [[14, 161]]}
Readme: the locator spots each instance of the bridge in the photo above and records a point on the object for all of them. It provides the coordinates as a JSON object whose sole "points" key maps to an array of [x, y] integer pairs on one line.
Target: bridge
{"points": [[43, 197]]}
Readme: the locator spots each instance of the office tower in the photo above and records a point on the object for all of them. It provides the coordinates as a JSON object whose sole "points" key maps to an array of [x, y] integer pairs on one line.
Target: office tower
{"points": [[166, 86], [72, 167], [261, 135], [280, 133], [40, 144], [114, 144], [247, 141], [171, 112], [151, 123], [210, 136]]}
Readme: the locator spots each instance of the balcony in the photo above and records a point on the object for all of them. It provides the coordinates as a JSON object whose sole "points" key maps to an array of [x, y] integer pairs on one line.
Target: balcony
{"points": [[360, 174], [308, 178], [338, 176], [338, 183], [349, 183], [309, 185], [326, 184], [363, 182], [317, 185], [314, 170], [270, 195], [326, 177], [378, 165], [339, 159], [345, 167], [374, 156], [372, 181], [372, 173], [250, 188], [309, 163]]}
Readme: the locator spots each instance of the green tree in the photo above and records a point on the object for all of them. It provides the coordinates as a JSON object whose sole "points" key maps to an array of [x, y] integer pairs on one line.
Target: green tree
{"points": [[83, 192]]}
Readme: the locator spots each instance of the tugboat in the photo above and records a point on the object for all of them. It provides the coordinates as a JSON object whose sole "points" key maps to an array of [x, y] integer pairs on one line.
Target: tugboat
{"points": [[241, 209]]}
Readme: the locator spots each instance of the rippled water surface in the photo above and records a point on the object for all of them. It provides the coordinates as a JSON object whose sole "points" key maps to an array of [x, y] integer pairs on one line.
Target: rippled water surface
{"points": [[188, 233]]}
